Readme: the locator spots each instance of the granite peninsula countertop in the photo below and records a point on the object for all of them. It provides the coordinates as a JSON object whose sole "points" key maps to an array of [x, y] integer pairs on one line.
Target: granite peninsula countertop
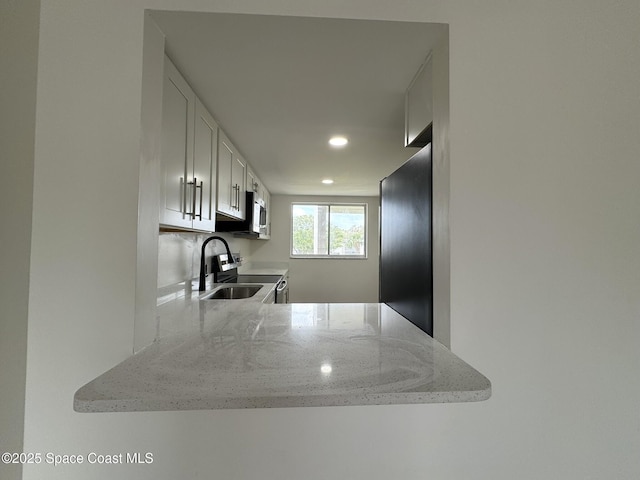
{"points": [[216, 354]]}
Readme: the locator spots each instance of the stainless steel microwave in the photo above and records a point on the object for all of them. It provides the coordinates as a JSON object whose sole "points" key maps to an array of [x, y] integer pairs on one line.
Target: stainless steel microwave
{"points": [[255, 222], [259, 214]]}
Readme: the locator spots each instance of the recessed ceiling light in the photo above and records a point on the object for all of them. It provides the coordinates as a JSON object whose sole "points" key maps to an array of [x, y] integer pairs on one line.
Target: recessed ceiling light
{"points": [[327, 181], [338, 141]]}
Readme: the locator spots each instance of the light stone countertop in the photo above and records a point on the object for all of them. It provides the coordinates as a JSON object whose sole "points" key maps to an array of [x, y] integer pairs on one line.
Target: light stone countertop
{"points": [[217, 354]]}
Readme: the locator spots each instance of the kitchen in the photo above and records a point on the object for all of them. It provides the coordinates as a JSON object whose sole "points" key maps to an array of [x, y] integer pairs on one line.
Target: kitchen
{"points": [[274, 94], [257, 87], [188, 203], [566, 405]]}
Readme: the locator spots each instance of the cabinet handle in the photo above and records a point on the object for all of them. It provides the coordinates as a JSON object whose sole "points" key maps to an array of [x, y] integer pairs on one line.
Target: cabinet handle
{"points": [[194, 193], [190, 194], [233, 202], [236, 200], [194, 196], [183, 209]]}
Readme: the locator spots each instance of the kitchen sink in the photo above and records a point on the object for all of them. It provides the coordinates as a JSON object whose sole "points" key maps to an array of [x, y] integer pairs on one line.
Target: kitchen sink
{"points": [[232, 292]]}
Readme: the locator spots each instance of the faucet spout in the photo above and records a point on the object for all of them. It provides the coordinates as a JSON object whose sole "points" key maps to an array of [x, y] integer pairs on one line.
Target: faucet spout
{"points": [[201, 283]]}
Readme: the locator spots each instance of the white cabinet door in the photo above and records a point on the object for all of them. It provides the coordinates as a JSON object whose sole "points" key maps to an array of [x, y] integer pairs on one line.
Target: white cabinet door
{"points": [[263, 192], [252, 181], [205, 154], [226, 195], [239, 181], [231, 179], [189, 154], [178, 105]]}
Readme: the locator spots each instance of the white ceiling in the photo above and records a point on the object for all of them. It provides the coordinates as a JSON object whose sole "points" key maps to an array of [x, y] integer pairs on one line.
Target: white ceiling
{"points": [[281, 86]]}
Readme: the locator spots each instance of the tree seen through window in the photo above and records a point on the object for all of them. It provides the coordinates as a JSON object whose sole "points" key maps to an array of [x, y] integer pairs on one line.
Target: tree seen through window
{"points": [[328, 230]]}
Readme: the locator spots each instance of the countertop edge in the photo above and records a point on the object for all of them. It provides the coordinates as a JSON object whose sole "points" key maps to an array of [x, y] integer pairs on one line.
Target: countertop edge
{"points": [[161, 405]]}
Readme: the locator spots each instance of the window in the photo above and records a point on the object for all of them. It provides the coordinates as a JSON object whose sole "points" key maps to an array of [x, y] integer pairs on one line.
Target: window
{"points": [[328, 230]]}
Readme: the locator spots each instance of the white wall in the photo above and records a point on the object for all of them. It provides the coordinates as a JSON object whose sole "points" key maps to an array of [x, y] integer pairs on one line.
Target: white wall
{"points": [[18, 68], [545, 255], [322, 280]]}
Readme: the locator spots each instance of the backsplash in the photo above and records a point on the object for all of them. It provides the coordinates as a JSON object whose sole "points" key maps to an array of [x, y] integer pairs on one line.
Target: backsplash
{"points": [[179, 254]]}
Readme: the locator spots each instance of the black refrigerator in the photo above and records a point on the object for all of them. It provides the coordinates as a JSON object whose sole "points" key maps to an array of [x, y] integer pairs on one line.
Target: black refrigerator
{"points": [[406, 261]]}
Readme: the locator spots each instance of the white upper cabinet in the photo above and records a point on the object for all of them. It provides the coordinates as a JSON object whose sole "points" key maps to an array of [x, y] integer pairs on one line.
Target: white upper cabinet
{"points": [[189, 148], [225, 191], [231, 179], [254, 184], [239, 180], [419, 107], [203, 173], [252, 181], [205, 154], [178, 107]]}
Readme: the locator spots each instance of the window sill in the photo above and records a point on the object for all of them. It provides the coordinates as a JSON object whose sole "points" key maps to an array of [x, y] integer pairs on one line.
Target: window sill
{"points": [[327, 257]]}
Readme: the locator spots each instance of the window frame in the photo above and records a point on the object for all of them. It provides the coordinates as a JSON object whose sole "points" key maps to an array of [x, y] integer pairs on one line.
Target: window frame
{"points": [[328, 255]]}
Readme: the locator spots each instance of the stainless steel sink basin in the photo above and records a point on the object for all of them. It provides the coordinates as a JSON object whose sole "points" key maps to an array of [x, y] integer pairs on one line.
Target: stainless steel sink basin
{"points": [[232, 292]]}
